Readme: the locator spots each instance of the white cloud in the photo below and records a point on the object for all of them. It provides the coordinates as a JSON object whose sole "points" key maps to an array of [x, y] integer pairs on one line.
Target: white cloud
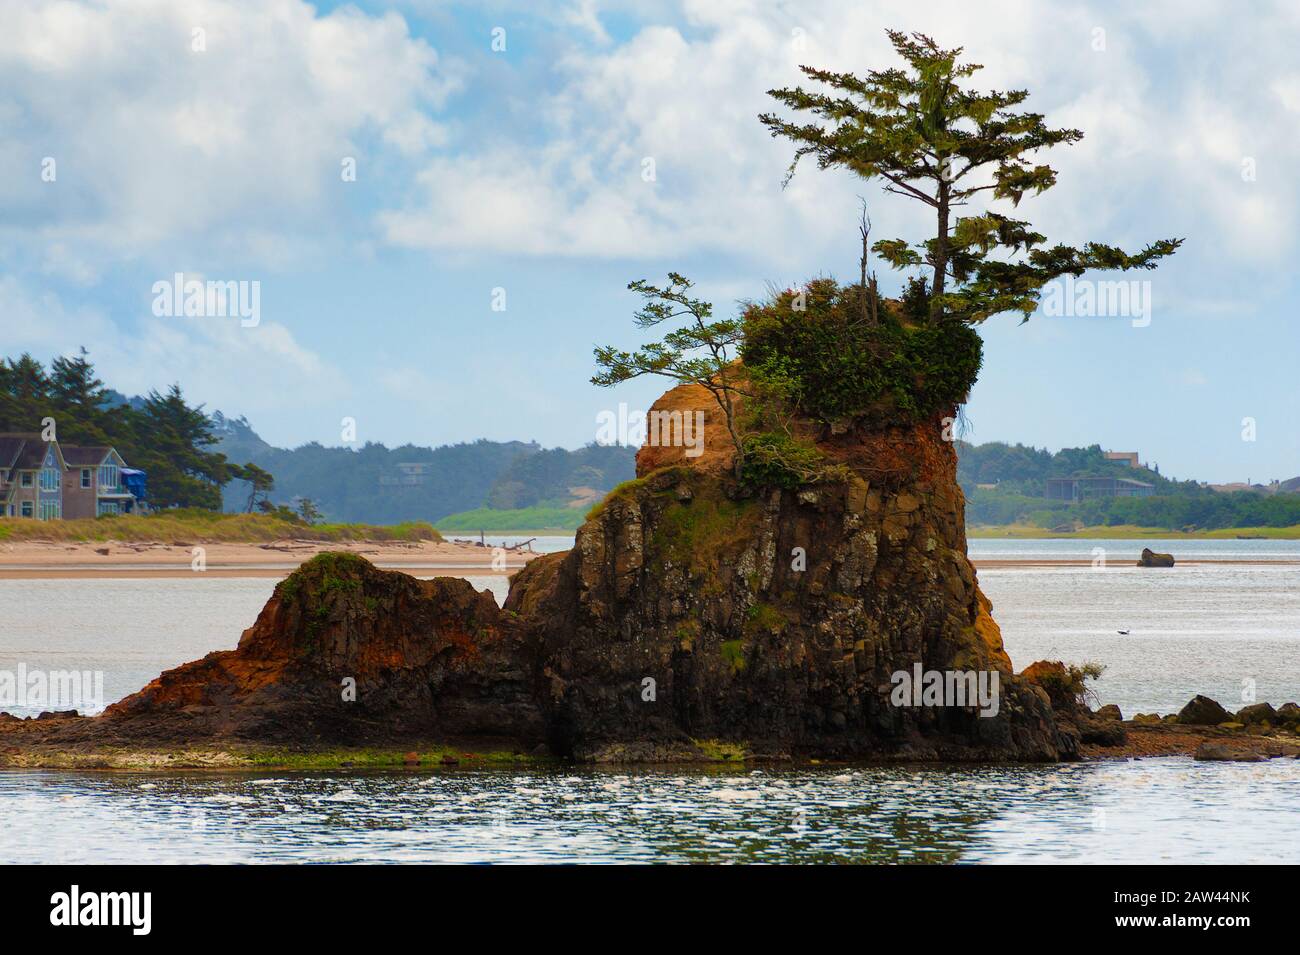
{"points": [[216, 360], [166, 151], [1163, 147]]}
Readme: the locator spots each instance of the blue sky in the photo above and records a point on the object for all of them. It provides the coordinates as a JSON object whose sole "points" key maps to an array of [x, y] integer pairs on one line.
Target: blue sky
{"points": [[521, 169]]}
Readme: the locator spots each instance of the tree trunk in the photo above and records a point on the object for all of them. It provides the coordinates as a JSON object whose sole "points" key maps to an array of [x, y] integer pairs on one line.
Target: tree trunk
{"points": [[940, 254], [863, 263], [730, 411]]}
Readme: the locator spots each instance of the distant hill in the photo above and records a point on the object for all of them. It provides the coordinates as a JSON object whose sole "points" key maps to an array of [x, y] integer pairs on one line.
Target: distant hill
{"points": [[380, 485], [560, 478], [516, 485], [1007, 484], [1017, 468]]}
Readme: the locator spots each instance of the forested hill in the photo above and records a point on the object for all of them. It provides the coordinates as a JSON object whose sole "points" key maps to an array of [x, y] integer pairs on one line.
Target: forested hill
{"points": [[381, 485], [1007, 484], [193, 459], [1019, 469], [207, 460]]}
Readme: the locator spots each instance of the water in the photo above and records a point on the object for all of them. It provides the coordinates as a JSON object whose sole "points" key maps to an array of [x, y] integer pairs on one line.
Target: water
{"points": [[1225, 630], [1166, 810], [1119, 551], [1202, 628]]}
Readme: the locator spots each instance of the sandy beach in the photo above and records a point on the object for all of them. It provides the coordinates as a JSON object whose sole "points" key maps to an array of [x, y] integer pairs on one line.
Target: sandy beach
{"points": [[62, 559]]}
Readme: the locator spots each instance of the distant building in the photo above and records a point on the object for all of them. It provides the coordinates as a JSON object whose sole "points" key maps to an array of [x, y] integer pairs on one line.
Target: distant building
{"points": [[409, 475], [1128, 457], [1239, 486], [1082, 488], [48, 481]]}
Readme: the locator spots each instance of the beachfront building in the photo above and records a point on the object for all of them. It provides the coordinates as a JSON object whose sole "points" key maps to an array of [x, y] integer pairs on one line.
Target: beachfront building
{"points": [[48, 481], [1127, 457], [1081, 488]]}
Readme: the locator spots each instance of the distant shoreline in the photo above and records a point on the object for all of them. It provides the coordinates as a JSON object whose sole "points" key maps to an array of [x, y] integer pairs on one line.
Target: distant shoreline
{"points": [[1128, 532], [32, 560], [512, 532]]}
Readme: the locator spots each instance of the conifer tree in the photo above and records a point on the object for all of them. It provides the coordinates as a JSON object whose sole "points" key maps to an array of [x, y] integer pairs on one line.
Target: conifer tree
{"points": [[935, 141]]}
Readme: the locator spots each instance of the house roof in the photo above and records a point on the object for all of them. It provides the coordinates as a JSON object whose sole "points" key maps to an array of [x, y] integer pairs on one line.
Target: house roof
{"points": [[81, 456], [30, 453], [25, 450], [1101, 479], [11, 446]]}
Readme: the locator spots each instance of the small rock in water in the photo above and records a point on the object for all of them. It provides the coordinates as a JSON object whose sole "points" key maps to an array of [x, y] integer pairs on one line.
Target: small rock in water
{"points": [[1150, 558]]}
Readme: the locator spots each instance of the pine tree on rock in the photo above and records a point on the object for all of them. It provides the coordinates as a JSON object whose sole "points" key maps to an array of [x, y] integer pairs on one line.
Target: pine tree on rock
{"points": [[937, 142]]}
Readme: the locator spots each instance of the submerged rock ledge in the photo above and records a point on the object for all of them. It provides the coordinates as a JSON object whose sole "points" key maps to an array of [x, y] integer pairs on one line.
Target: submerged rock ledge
{"points": [[693, 619]]}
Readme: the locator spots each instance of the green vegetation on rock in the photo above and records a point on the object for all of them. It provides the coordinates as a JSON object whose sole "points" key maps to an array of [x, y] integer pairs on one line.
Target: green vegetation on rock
{"points": [[812, 348], [696, 533]]}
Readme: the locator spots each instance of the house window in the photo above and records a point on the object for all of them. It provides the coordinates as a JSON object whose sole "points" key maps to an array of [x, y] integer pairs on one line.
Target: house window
{"points": [[27, 479], [108, 507], [50, 510], [85, 477], [27, 508], [108, 475], [49, 479]]}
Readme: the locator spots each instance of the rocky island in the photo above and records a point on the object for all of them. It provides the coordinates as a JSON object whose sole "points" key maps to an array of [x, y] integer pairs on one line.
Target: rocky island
{"points": [[694, 615], [695, 618]]}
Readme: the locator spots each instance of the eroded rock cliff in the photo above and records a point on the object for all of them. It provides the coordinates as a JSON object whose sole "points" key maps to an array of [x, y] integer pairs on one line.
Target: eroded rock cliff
{"points": [[775, 620]]}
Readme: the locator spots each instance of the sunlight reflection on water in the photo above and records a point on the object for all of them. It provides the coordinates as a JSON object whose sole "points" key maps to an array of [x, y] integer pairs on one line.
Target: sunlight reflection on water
{"points": [[1165, 810]]}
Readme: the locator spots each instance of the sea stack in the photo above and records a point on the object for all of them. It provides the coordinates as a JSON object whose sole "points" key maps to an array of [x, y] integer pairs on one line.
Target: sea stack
{"points": [[775, 620]]}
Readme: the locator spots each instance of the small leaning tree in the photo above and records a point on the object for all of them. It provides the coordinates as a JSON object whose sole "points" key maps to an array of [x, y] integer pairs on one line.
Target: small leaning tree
{"points": [[938, 143], [700, 352]]}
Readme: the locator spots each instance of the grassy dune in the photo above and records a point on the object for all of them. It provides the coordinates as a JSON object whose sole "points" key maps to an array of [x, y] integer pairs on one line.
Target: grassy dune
{"points": [[207, 526], [532, 519], [1029, 531]]}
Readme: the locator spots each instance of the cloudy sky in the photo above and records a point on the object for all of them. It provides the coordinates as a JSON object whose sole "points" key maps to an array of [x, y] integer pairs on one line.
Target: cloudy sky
{"points": [[211, 138]]}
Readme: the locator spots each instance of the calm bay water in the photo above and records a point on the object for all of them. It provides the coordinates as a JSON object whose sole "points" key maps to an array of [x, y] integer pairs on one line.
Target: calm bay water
{"points": [[1165, 810], [1194, 629]]}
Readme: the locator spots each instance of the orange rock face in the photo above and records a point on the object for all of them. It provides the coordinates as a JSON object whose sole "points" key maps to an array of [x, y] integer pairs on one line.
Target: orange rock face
{"points": [[344, 652], [674, 409]]}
